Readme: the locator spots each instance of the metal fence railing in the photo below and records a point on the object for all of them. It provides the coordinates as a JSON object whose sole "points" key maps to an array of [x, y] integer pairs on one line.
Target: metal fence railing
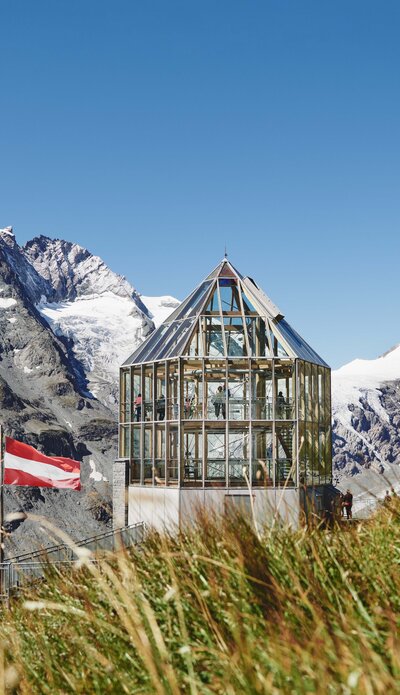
{"points": [[19, 570]]}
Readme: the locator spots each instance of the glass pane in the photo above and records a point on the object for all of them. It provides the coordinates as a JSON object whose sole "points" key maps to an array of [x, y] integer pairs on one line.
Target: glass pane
{"points": [[308, 446], [215, 388], [159, 463], [262, 464], [136, 441], [314, 392], [172, 394], [193, 304], [285, 474], [160, 392], [238, 458], [307, 391], [149, 348], [195, 347], [193, 458], [299, 346], [178, 346], [124, 441], [215, 465], [238, 390], [175, 337], [214, 343], [229, 294], [234, 336], [302, 454], [137, 400], [148, 394], [302, 404], [277, 348], [134, 472], [125, 395], [172, 457], [284, 391], [321, 395], [247, 305], [213, 305], [192, 391], [148, 456], [226, 271], [262, 402]]}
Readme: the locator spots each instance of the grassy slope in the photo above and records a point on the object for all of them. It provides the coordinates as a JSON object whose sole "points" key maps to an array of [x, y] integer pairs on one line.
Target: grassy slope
{"points": [[219, 610]]}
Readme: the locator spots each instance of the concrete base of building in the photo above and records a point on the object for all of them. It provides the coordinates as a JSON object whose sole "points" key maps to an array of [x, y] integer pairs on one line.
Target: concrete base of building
{"points": [[171, 508]]}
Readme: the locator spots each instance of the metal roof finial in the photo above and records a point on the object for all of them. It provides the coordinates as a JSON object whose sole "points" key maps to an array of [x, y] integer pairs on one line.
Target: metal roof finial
{"points": [[226, 253]]}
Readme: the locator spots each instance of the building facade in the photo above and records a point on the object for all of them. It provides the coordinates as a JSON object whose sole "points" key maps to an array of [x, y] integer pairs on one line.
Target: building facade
{"points": [[223, 405]]}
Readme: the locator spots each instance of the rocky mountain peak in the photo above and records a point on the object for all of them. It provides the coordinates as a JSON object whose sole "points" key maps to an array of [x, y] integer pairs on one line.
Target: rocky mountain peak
{"points": [[7, 235], [72, 271]]}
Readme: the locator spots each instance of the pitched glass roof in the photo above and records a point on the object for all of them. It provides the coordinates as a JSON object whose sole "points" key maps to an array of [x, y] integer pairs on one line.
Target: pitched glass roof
{"points": [[227, 315]]}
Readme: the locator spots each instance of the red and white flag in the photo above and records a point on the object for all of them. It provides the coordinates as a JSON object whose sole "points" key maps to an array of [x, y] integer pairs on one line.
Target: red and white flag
{"points": [[23, 465]]}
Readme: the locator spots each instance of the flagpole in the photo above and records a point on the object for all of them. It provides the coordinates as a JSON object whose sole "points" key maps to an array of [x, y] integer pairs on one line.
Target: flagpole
{"points": [[2, 573], [2, 495]]}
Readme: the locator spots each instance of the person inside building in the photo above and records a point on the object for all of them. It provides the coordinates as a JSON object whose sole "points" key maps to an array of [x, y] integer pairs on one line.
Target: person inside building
{"points": [[227, 392], [161, 407], [348, 504], [188, 407], [281, 404], [219, 402], [138, 407]]}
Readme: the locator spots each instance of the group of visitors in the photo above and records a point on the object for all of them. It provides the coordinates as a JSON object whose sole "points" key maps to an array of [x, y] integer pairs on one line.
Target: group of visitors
{"points": [[218, 401], [160, 405]]}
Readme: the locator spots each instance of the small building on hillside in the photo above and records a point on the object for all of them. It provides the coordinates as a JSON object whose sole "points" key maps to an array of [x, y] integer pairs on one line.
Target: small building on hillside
{"points": [[223, 405]]}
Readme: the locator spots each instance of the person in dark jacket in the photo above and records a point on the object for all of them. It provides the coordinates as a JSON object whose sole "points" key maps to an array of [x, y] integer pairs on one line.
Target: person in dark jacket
{"points": [[161, 407], [138, 407], [348, 504]]}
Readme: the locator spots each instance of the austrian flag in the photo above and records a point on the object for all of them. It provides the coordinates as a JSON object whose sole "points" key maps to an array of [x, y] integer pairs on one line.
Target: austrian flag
{"points": [[23, 465]]}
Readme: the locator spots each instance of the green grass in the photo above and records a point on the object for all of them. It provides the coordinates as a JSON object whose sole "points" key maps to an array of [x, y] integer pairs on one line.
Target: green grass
{"points": [[218, 610]]}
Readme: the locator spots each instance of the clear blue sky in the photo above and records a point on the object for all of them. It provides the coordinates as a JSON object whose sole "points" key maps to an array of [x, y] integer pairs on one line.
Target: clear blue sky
{"points": [[154, 132]]}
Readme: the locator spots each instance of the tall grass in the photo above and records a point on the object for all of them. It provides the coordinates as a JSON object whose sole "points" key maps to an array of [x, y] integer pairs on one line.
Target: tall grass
{"points": [[218, 609]]}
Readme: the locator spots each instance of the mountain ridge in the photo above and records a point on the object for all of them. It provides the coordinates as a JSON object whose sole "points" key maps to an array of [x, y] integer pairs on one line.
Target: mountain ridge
{"points": [[59, 373]]}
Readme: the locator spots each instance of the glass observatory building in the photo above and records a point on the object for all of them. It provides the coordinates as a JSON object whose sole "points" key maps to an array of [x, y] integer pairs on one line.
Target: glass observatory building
{"points": [[224, 404]]}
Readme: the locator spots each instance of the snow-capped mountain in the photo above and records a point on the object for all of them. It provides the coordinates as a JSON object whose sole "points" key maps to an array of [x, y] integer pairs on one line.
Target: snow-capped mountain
{"points": [[67, 322], [366, 416], [160, 308], [99, 311]]}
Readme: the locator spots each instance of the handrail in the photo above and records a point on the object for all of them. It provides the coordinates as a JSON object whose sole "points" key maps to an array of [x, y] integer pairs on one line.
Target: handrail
{"points": [[80, 543], [30, 566]]}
